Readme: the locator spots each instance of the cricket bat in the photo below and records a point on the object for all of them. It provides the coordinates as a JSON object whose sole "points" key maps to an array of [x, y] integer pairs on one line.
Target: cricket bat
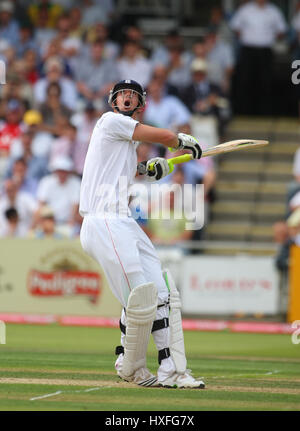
{"points": [[227, 147]]}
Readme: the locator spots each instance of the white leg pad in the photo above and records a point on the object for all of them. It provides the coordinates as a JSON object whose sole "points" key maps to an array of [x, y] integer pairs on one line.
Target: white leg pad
{"points": [[177, 349], [140, 314]]}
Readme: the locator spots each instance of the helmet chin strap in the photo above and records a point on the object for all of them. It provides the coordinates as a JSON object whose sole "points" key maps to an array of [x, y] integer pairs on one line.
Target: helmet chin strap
{"points": [[127, 113]]}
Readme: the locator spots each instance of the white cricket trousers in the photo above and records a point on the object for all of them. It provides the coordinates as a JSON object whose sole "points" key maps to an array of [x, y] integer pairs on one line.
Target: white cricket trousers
{"points": [[128, 259], [125, 253]]}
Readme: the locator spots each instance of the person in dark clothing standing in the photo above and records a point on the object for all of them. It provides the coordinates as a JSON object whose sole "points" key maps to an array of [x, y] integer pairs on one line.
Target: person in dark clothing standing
{"points": [[257, 24]]}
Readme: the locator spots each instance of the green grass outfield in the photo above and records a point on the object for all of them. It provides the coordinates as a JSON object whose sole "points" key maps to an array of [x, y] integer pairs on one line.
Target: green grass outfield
{"points": [[72, 369]]}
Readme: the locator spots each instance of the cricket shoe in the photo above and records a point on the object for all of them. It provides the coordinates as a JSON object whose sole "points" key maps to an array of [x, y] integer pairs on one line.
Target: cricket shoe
{"points": [[182, 381], [141, 377]]}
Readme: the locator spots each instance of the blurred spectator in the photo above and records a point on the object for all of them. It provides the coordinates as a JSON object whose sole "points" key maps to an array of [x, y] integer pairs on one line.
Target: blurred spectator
{"points": [[26, 41], [283, 236], [30, 59], [23, 202], [53, 109], [50, 9], [204, 98], [94, 74], [201, 95], [76, 28], [294, 202], [67, 45], [85, 123], [20, 11], [17, 86], [4, 48], [67, 4], [46, 226], [64, 145], [36, 167], [60, 190], [18, 172], [164, 110], [43, 34], [9, 28], [134, 33], [286, 234], [293, 224], [10, 129], [219, 25], [294, 186], [54, 73], [12, 228], [295, 33], [220, 61], [178, 68], [41, 141], [160, 74], [257, 24], [132, 65], [280, 232], [8, 54], [199, 49], [94, 11], [100, 32], [49, 49], [161, 54]]}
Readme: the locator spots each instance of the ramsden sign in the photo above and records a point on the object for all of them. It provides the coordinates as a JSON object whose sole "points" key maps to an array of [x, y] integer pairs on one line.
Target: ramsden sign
{"points": [[64, 283]]}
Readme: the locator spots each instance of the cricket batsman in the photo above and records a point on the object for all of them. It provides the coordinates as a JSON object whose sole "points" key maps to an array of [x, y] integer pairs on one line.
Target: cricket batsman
{"points": [[110, 235]]}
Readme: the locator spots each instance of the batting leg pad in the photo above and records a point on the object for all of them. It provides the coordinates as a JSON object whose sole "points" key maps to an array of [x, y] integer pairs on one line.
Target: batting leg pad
{"points": [[177, 349], [140, 314]]}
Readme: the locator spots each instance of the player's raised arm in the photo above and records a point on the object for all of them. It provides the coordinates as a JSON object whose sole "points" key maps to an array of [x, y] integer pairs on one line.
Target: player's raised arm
{"points": [[146, 133], [161, 167], [167, 138]]}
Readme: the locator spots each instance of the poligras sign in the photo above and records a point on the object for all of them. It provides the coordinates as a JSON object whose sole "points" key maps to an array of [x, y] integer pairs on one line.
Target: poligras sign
{"points": [[53, 277], [64, 283]]}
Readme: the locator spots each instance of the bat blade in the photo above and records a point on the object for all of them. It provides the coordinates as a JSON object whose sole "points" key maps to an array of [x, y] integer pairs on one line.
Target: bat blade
{"points": [[239, 144], [226, 147]]}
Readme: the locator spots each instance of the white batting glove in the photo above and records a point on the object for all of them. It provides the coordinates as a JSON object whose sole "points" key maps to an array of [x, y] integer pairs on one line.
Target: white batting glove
{"points": [[188, 142], [160, 169]]}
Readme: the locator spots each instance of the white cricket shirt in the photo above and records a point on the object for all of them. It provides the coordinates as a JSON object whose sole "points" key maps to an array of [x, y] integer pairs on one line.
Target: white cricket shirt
{"points": [[110, 166], [258, 26]]}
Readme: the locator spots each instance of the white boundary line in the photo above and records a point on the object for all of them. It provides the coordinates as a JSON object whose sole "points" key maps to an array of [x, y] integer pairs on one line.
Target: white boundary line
{"points": [[46, 396], [67, 392]]}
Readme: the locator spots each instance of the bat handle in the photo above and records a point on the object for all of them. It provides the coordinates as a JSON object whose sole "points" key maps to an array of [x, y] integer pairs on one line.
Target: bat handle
{"points": [[181, 159], [175, 161]]}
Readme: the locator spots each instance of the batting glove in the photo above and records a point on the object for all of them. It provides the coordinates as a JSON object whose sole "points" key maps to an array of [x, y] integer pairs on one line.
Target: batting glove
{"points": [[160, 169], [188, 142]]}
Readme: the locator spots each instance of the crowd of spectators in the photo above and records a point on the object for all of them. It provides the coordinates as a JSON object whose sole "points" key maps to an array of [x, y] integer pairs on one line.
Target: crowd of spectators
{"points": [[61, 61]]}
